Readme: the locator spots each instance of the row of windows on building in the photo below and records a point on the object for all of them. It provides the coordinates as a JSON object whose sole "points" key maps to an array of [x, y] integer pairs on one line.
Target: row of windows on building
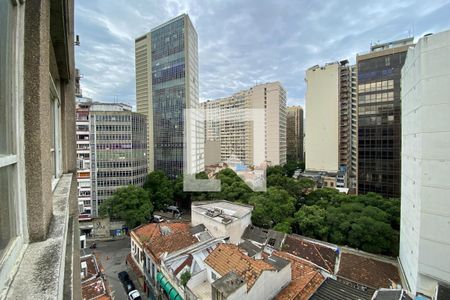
{"points": [[376, 86], [378, 97], [113, 118], [376, 120], [121, 173], [109, 128], [375, 109]]}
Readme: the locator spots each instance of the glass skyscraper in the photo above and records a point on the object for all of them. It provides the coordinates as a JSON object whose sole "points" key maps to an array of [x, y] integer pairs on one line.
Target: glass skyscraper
{"points": [[166, 84], [379, 124]]}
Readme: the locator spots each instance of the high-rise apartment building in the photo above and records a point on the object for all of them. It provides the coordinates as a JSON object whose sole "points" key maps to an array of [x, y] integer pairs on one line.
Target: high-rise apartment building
{"points": [[331, 121], [111, 151], [379, 113], [294, 133], [249, 125], [425, 207], [166, 84]]}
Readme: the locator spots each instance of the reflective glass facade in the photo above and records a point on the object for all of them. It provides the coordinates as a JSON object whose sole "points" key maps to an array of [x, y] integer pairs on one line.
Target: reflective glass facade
{"points": [[379, 124], [169, 90]]}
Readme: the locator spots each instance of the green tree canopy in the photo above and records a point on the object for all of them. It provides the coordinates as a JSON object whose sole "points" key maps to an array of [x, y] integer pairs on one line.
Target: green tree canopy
{"points": [[160, 188], [272, 207], [312, 221], [131, 204]]}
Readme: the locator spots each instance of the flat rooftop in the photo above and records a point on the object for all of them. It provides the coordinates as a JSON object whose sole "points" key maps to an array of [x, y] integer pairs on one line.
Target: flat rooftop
{"points": [[222, 209]]}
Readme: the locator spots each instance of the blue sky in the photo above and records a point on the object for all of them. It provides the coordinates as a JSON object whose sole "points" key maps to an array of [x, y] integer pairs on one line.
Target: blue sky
{"points": [[243, 42]]}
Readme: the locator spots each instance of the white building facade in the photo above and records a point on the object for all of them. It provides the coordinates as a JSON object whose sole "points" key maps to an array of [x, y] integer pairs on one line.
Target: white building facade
{"points": [[425, 209]]}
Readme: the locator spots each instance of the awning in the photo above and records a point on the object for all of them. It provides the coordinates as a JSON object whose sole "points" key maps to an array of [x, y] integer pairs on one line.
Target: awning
{"points": [[170, 290]]}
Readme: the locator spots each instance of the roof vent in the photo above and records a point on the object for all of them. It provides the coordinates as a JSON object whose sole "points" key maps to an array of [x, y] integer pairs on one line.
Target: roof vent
{"points": [[226, 220], [213, 212]]}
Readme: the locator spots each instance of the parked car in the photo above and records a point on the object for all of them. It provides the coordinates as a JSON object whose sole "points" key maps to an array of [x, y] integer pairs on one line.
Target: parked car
{"points": [[157, 219], [134, 295], [124, 278]]}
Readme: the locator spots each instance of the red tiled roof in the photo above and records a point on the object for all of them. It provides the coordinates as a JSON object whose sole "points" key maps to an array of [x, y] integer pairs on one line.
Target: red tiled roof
{"points": [[316, 253], [305, 279], [368, 271], [227, 258], [166, 237], [93, 286]]}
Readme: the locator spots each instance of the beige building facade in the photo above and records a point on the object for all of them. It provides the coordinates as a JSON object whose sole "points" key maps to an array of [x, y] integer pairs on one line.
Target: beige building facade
{"points": [[331, 128], [250, 125]]}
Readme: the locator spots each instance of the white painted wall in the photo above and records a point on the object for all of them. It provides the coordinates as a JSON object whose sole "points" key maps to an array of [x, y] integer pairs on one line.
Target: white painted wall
{"points": [[322, 118], [425, 214]]}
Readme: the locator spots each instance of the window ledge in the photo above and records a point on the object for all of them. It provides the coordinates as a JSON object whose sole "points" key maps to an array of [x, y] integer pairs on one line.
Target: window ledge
{"points": [[41, 273]]}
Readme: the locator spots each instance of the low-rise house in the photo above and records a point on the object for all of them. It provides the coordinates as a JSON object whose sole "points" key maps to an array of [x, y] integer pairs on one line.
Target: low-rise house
{"points": [[267, 239], [93, 286], [189, 260], [222, 218], [333, 289], [368, 270], [321, 254], [231, 274], [306, 278], [392, 294], [151, 243]]}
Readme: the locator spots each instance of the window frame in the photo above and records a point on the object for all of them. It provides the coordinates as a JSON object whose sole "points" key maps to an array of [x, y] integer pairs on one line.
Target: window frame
{"points": [[56, 147], [14, 250]]}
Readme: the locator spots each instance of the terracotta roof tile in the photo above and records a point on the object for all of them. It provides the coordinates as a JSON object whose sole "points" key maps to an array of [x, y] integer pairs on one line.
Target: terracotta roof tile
{"points": [[227, 258], [165, 237], [305, 279], [316, 253], [368, 271]]}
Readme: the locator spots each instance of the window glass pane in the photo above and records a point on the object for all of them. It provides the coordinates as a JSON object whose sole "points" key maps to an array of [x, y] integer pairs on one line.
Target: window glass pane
{"points": [[6, 32], [7, 227]]}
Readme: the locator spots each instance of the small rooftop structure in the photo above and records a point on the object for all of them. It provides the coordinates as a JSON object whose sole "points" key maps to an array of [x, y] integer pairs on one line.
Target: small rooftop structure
{"points": [[264, 237], [222, 218], [368, 270], [229, 283], [251, 249], [332, 289], [391, 294], [306, 278], [320, 254]]}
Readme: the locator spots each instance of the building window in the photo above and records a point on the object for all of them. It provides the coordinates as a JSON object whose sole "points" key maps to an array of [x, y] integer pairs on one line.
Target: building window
{"points": [[12, 195], [55, 115]]}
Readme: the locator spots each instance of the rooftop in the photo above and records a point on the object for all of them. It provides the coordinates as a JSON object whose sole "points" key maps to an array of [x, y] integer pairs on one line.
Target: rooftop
{"points": [[159, 238], [368, 271], [221, 210], [92, 284], [228, 258], [229, 283], [250, 248], [264, 236], [332, 289], [319, 254], [305, 279]]}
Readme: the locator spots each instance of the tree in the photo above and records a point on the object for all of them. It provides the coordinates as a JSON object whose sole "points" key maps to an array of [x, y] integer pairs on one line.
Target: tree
{"points": [[291, 166], [312, 222], [185, 277], [131, 204], [272, 207], [161, 189]]}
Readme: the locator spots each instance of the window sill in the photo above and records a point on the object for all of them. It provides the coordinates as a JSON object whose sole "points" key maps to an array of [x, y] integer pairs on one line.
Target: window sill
{"points": [[45, 266]]}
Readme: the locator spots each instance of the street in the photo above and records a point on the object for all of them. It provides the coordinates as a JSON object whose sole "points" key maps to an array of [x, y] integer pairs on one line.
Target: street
{"points": [[112, 255]]}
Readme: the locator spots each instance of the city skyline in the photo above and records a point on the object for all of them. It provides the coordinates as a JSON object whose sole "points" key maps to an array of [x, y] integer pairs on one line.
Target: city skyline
{"points": [[282, 50]]}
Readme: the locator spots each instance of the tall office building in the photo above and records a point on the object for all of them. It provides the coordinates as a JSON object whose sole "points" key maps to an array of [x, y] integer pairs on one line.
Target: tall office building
{"points": [[425, 209], [166, 84], [250, 125], [294, 133], [331, 122], [111, 151], [379, 112]]}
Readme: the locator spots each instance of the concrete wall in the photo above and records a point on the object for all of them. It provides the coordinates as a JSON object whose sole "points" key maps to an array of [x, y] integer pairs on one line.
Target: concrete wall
{"points": [[425, 214], [270, 283], [322, 118]]}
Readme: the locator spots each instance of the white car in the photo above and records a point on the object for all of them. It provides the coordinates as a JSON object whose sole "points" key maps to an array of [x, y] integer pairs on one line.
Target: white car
{"points": [[134, 295], [157, 219]]}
